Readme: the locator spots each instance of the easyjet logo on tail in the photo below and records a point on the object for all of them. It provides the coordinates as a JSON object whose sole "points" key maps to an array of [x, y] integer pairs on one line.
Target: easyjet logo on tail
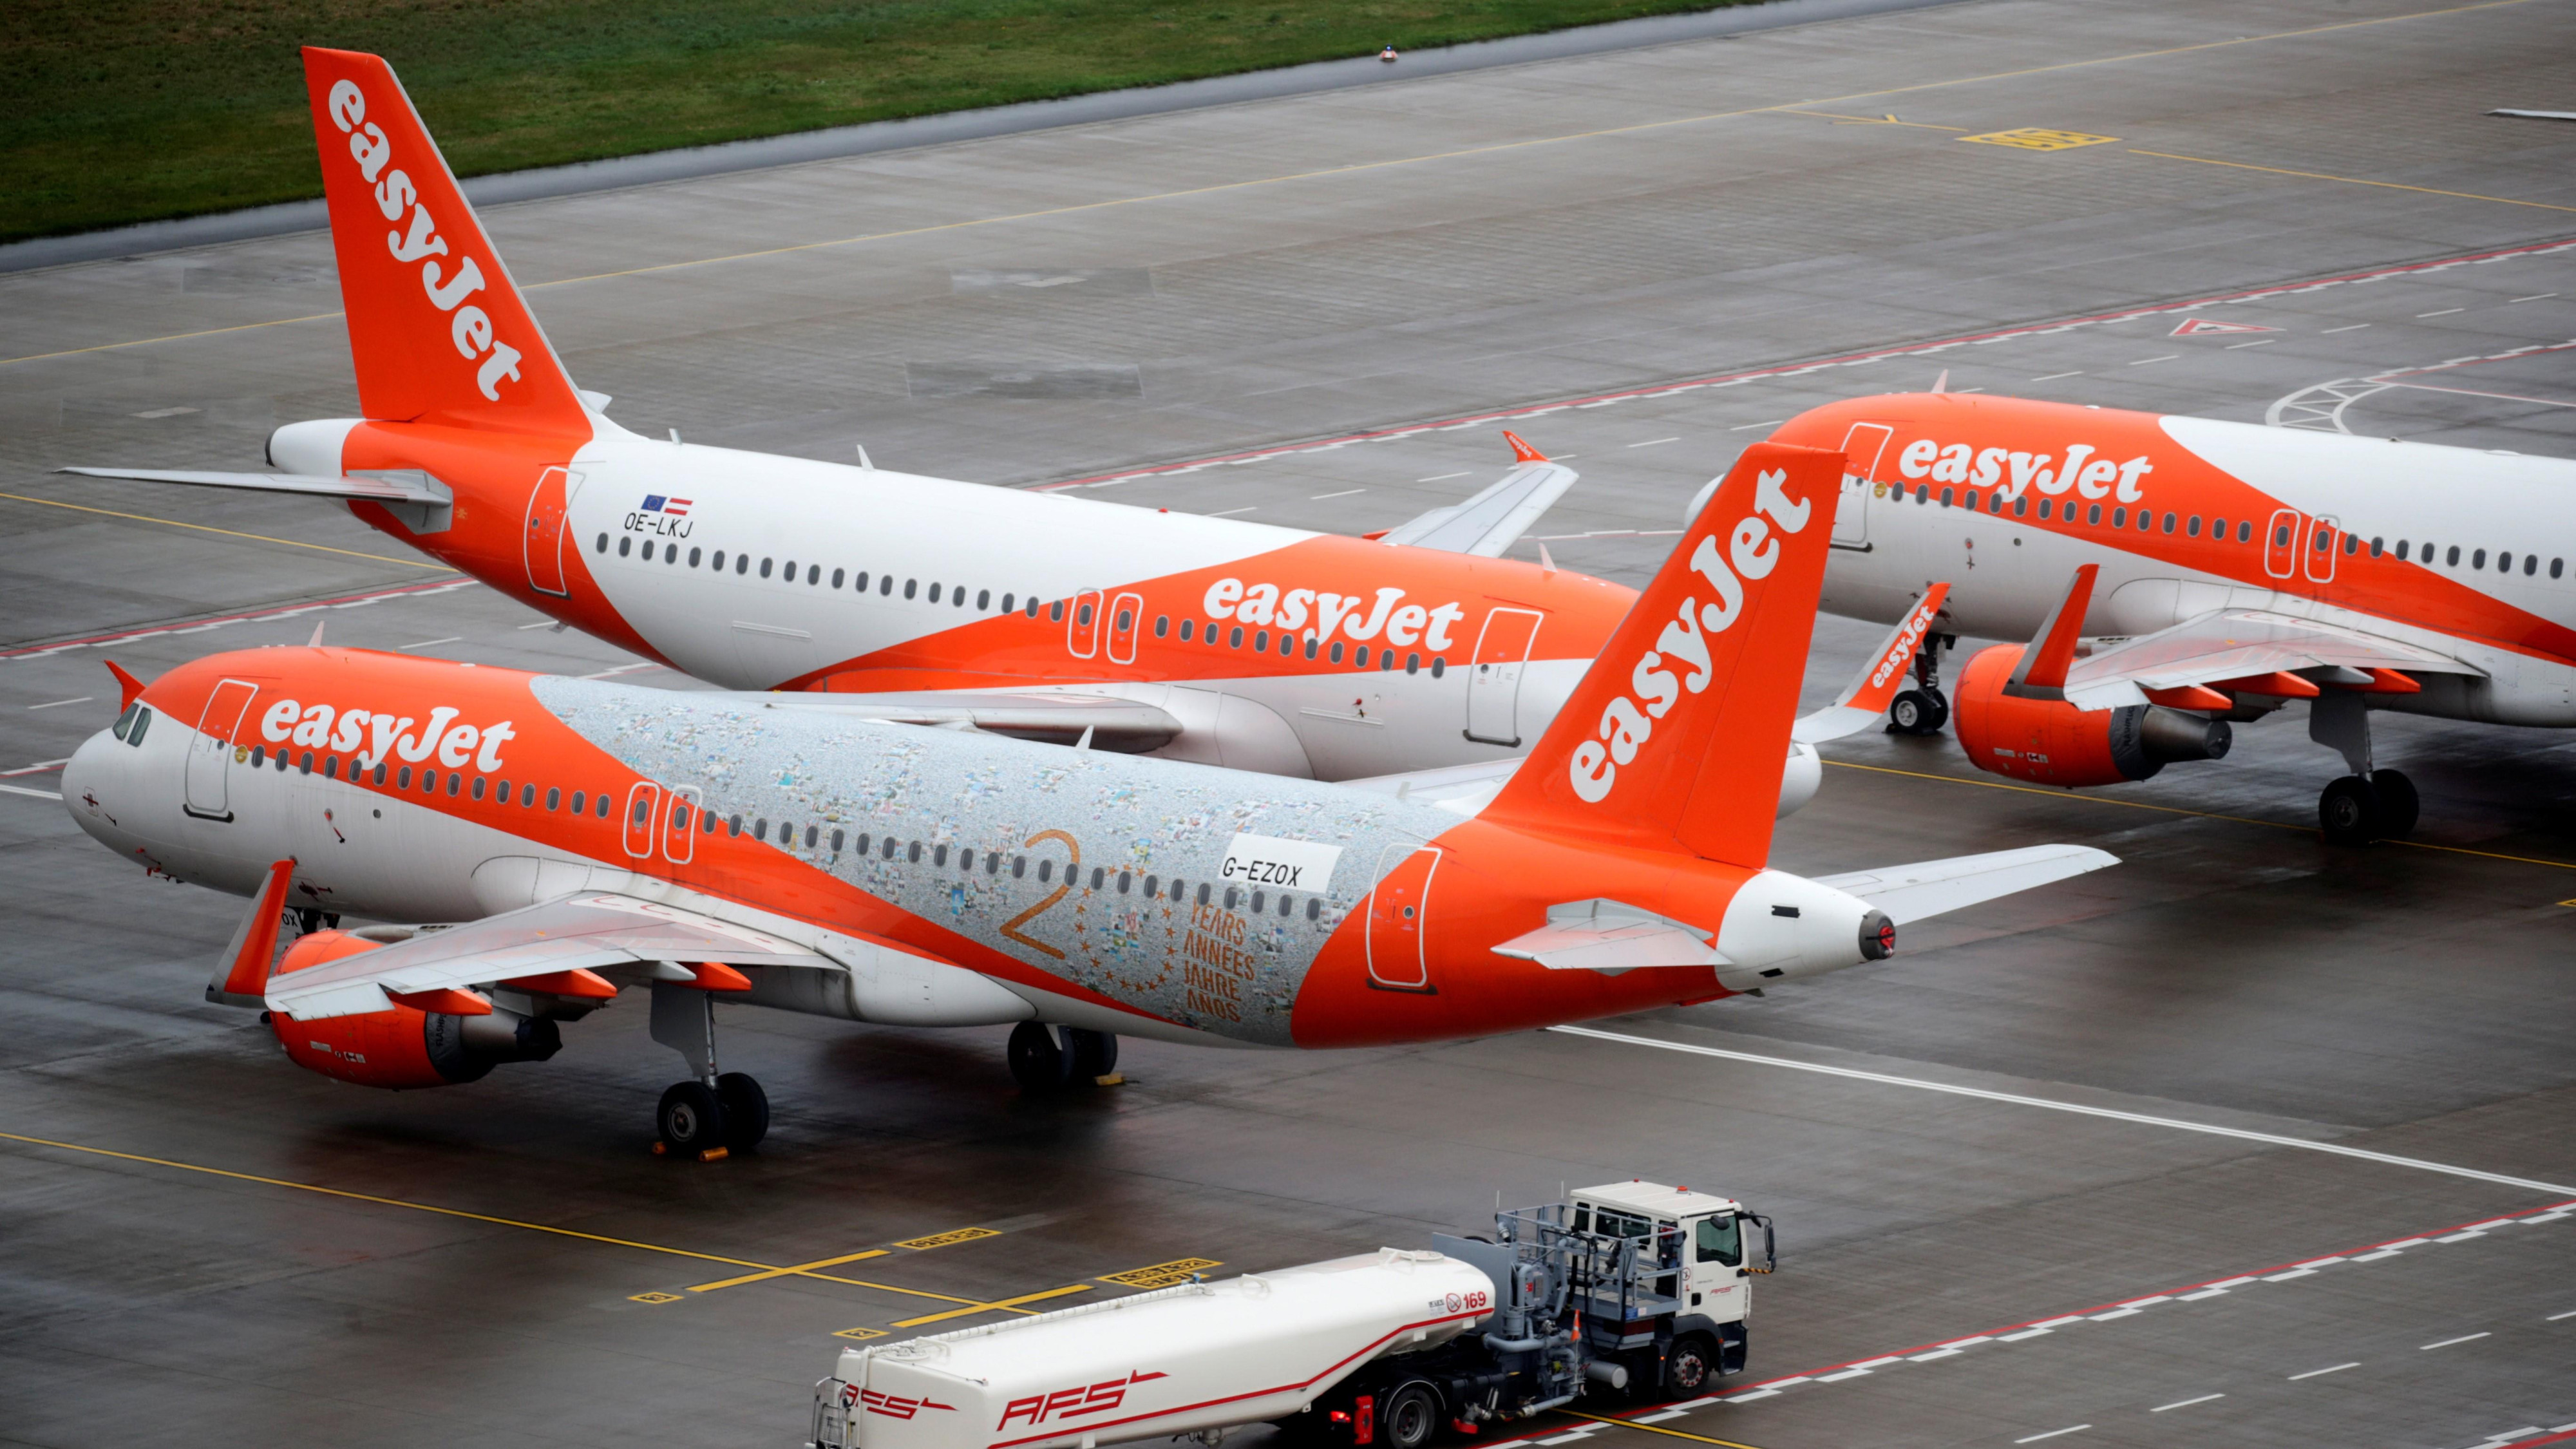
{"points": [[470, 327], [1627, 724]]}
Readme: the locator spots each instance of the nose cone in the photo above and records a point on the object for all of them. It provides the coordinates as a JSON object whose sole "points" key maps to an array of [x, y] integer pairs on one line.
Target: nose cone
{"points": [[90, 789]]}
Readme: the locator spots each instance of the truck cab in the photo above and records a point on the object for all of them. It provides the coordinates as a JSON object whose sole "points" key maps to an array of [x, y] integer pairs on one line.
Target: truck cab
{"points": [[1697, 1252]]}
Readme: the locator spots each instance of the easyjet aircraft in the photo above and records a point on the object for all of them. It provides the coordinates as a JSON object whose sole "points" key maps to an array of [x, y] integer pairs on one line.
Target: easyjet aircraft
{"points": [[712, 847], [2221, 569], [1040, 614]]}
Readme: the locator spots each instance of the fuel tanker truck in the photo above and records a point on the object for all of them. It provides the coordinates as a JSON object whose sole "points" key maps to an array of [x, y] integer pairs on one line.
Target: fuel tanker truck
{"points": [[1632, 1288]]}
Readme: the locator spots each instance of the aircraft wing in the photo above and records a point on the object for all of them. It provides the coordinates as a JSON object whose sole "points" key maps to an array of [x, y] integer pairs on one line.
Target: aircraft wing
{"points": [[576, 933], [1494, 519], [1936, 887], [2232, 644], [1122, 725], [1867, 696], [404, 487]]}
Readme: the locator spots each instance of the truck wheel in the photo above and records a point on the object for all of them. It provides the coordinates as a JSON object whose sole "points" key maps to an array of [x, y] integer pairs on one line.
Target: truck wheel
{"points": [[1689, 1367], [1411, 1419]]}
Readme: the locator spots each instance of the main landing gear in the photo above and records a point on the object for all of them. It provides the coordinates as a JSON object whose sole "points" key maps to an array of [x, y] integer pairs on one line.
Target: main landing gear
{"points": [[1923, 709], [2367, 804], [712, 1114], [1048, 1059]]}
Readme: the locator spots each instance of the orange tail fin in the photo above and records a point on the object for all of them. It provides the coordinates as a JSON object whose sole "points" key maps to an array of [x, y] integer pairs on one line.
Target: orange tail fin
{"points": [[1676, 738], [437, 329]]}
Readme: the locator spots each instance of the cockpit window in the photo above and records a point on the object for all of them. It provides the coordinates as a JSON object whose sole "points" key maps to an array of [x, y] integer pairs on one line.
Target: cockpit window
{"points": [[123, 720], [142, 722]]}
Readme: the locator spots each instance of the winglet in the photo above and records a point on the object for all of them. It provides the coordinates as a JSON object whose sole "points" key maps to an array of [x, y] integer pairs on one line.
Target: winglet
{"points": [[253, 948], [128, 688], [2042, 672], [1867, 696], [1521, 451]]}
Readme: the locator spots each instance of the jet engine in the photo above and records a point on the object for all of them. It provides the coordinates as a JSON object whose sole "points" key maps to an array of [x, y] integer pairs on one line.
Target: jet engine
{"points": [[404, 1046], [2051, 742]]}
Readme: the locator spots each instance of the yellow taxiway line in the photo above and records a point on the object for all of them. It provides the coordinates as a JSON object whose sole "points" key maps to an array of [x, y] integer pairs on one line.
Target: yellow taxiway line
{"points": [[1652, 1428]]}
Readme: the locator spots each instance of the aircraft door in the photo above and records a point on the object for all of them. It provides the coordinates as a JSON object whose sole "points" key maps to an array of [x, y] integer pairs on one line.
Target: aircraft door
{"points": [[1494, 686], [1126, 612], [1082, 626], [542, 541], [210, 754], [2323, 535], [1396, 958], [2281, 543], [1862, 447], [680, 825], [641, 803]]}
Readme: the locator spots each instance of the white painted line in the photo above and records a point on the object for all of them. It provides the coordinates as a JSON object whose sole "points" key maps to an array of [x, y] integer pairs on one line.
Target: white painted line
{"points": [[1345, 493], [2375, 1257], [1849, 1373], [2238, 1133], [540, 624], [1654, 442], [2143, 361], [1230, 512], [2319, 1262], [2463, 1338], [166, 413], [2445, 312], [2148, 1302], [2203, 1293], [2293, 1273], [2404, 1243], [2355, 327], [1439, 477], [2025, 1333], [59, 703], [2052, 377], [1599, 402], [1658, 1418], [2185, 1403], [1686, 1405], [2320, 1373], [2559, 1216], [1749, 1398], [2053, 1433], [2257, 342], [1748, 427], [2534, 297], [2489, 1223], [23, 790], [426, 643], [1969, 1342], [1936, 1353], [1784, 1383], [2114, 1313], [2059, 1322], [2553, 1318], [2460, 1237], [2237, 1282], [1564, 1438], [1880, 1362]]}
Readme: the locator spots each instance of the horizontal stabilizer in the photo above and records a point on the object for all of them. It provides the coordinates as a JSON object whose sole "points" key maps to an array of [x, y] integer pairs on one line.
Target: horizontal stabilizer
{"points": [[1866, 698], [579, 932], [1493, 520], [1121, 725], [412, 487], [1937, 887], [1610, 937]]}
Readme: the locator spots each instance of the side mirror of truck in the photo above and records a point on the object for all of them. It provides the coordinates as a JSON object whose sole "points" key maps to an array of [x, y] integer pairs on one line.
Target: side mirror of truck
{"points": [[1770, 1253]]}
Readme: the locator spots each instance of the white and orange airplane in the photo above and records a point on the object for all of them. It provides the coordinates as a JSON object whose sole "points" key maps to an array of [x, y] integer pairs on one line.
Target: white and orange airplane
{"points": [[1040, 614], [594, 836], [2219, 571]]}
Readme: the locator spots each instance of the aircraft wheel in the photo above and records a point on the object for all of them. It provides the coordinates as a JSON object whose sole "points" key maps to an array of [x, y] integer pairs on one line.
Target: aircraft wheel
{"points": [[1038, 1063], [691, 1119], [746, 1110], [2349, 812], [1916, 712], [1095, 1053], [2398, 804]]}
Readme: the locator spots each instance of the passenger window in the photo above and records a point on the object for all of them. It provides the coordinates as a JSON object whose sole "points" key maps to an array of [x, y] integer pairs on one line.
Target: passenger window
{"points": [[1055, 612], [885, 588], [814, 573], [1153, 885], [2453, 557], [1009, 601], [527, 793], [733, 826], [643, 808], [1413, 664], [1233, 897], [2351, 543], [742, 565], [554, 794], [2401, 550], [812, 834], [1337, 651], [2169, 525], [912, 855], [760, 828], [1122, 882], [1314, 907], [2045, 507], [2191, 526], [1234, 640], [1721, 1240], [2093, 515], [1257, 902], [1019, 867], [938, 857], [2021, 506], [1261, 641], [707, 821], [861, 582], [836, 578], [934, 593], [1162, 625], [911, 587], [765, 566], [886, 847], [603, 543], [1098, 874], [331, 771], [2245, 530], [836, 842], [625, 546], [1946, 495], [717, 562], [693, 558], [456, 782], [983, 600], [2556, 567], [600, 807], [992, 862], [578, 800], [1203, 893]]}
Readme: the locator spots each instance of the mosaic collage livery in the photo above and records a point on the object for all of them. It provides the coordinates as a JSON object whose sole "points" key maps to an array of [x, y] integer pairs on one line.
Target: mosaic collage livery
{"points": [[2220, 571], [1218, 640], [595, 837]]}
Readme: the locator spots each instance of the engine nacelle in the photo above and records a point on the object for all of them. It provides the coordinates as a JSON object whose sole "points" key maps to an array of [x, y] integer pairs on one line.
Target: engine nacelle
{"points": [[402, 1047], [2051, 742]]}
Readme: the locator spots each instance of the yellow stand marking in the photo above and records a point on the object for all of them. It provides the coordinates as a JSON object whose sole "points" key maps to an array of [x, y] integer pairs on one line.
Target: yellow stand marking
{"points": [[860, 1333], [409, 563], [800, 1268], [1008, 1305], [953, 1235], [2036, 138], [1162, 1275], [1653, 1428], [653, 1297]]}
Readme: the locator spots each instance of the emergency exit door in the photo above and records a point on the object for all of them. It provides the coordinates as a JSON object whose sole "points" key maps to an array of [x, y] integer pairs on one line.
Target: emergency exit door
{"points": [[1396, 958], [543, 539]]}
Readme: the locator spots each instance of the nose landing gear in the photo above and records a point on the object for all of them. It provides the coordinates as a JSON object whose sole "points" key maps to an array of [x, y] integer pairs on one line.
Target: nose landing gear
{"points": [[713, 1114]]}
